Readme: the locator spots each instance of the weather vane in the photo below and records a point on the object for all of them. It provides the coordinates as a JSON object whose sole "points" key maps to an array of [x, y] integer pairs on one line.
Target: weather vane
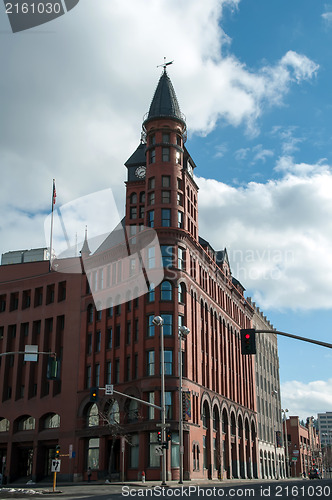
{"points": [[165, 64]]}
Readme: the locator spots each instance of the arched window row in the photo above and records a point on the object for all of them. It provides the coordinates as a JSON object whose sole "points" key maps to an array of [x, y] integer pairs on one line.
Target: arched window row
{"points": [[28, 423]]}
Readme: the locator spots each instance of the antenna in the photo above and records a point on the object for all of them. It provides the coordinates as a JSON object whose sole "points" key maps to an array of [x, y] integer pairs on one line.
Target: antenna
{"points": [[165, 64]]}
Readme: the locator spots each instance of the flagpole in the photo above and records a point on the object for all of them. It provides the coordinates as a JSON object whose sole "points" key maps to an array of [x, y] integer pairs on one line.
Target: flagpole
{"points": [[51, 239]]}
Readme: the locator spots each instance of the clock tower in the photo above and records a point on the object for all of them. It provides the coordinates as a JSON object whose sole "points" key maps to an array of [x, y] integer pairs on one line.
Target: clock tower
{"points": [[161, 191]]}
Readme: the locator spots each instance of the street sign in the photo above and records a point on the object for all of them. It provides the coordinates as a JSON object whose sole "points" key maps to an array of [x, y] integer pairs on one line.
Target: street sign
{"points": [[56, 465], [163, 425], [70, 451], [296, 452], [109, 389], [31, 353], [294, 459], [158, 451]]}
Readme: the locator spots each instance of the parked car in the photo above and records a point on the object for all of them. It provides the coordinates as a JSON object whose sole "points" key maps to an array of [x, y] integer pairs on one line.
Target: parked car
{"points": [[314, 474]]}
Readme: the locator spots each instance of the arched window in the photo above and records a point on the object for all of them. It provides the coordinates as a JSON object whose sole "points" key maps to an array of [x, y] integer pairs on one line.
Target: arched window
{"points": [[166, 291], [114, 413], [26, 423], [142, 197], [52, 421], [132, 411], [93, 416], [4, 425], [133, 198], [182, 293]]}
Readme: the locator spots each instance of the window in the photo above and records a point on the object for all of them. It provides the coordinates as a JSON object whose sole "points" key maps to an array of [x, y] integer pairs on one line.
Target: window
{"points": [[93, 416], [135, 366], [152, 139], [132, 267], [133, 212], [166, 181], [178, 140], [136, 330], [150, 363], [151, 293], [13, 301], [97, 375], [128, 368], [134, 451], [2, 303], [182, 293], [117, 335], [93, 453], [108, 372], [128, 332], [141, 212], [167, 255], [114, 413], [153, 156], [168, 362], [165, 197], [166, 291], [4, 425], [150, 408], [181, 257], [151, 183], [165, 154], [89, 343], [151, 257], [165, 217], [25, 329], [151, 198], [154, 459], [26, 301], [168, 324], [117, 371], [133, 198], [180, 219], [175, 455], [109, 338], [26, 424], [150, 326], [205, 458], [178, 157], [168, 405], [151, 218], [142, 197], [98, 340], [166, 137], [179, 181], [88, 377], [90, 313], [62, 291], [179, 198]]}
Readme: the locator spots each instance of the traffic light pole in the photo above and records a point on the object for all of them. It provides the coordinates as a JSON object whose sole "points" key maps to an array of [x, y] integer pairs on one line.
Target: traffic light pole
{"points": [[304, 339]]}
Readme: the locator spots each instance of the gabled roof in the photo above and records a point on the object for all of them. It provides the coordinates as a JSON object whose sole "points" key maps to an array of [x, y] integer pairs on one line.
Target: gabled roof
{"points": [[138, 157], [164, 102]]}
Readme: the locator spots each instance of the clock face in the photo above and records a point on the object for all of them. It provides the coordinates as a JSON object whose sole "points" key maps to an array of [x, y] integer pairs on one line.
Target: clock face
{"points": [[140, 172]]}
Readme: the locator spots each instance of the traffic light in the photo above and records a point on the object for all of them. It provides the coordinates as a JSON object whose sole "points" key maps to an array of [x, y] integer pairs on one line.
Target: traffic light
{"points": [[169, 436], [248, 341], [159, 436], [57, 451], [94, 395]]}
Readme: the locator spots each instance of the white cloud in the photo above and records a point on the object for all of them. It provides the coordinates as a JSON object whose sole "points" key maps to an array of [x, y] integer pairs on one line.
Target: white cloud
{"points": [[73, 97], [260, 154], [278, 234], [306, 400], [327, 16]]}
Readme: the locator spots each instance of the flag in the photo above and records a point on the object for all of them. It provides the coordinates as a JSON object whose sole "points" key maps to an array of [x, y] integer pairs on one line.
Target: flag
{"points": [[54, 192]]}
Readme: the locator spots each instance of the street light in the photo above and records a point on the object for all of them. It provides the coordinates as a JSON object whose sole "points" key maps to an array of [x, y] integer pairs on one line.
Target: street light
{"points": [[183, 332], [275, 394], [286, 441], [158, 321]]}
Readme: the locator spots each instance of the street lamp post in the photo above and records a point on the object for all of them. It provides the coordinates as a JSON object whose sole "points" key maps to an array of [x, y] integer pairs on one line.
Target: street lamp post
{"points": [[274, 393], [158, 321], [183, 332], [286, 441]]}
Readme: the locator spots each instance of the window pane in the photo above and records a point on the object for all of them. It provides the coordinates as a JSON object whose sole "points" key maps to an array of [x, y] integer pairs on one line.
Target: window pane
{"points": [[165, 217]]}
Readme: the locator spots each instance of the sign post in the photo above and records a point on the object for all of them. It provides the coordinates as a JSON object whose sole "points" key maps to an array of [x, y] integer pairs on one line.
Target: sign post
{"points": [[55, 468]]}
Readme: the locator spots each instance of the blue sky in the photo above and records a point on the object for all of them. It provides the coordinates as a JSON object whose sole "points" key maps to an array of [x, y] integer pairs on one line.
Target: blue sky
{"points": [[253, 79]]}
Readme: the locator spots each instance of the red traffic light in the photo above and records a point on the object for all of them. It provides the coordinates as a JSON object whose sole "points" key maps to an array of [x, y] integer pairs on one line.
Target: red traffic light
{"points": [[248, 341]]}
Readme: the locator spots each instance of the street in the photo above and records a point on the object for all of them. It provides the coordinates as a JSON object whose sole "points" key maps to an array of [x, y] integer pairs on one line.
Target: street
{"points": [[290, 489]]}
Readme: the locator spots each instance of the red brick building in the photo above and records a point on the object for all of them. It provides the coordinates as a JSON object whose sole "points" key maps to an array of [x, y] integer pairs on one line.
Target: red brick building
{"points": [[114, 340], [304, 449]]}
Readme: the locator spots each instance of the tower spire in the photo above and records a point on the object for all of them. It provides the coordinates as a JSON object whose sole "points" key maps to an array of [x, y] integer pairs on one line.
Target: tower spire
{"points": [[165, 64]]}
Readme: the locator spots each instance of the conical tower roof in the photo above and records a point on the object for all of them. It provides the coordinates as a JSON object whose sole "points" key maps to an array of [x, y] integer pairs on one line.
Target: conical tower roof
{"points": [[164, 103]]}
